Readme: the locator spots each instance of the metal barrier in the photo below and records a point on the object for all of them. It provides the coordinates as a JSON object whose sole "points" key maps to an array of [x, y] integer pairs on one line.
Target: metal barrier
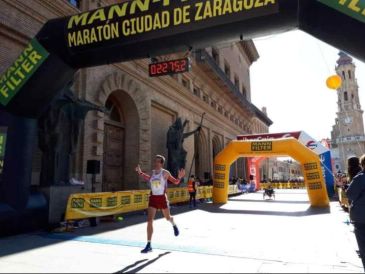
{"points": [[86, 205], [284, 185], [233, 189]]}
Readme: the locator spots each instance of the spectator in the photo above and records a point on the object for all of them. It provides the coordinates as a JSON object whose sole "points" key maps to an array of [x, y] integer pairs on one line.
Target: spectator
{"points": [[238, 183], [354, 167], [356, 193], [192, 187], [252, 186], [344, 182], [209, 182]]}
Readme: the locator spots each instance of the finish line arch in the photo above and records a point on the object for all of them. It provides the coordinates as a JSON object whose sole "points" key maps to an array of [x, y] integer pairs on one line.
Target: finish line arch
{"points": [[310, 162]]}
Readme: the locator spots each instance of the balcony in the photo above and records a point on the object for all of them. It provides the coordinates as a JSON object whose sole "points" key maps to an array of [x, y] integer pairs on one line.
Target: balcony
{"points": [[209, 65], [350, 139]]}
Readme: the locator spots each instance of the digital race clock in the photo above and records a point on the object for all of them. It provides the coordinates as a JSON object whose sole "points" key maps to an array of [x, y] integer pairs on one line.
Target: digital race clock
{"points": [[169, 67]]}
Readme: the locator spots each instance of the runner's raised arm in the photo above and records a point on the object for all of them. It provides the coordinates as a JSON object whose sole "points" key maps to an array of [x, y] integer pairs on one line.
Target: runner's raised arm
{"points": [[145, 176], [174, 180]]}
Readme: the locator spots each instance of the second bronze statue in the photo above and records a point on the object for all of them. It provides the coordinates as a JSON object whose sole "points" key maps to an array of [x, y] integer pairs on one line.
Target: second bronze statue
{"points": [[175, 140]]}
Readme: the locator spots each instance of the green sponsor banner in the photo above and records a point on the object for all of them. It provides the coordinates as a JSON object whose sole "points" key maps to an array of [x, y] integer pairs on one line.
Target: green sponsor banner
{"points": [[2, 148], [20, 72], [2, 141], [353, 8]]}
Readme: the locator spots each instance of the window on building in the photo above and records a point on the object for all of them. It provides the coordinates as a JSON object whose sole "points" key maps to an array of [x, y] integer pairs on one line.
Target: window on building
{"points": [[244, 91], [220, 109], [232, 118], [226, 114], [215, 55], [196, 91], [350, 76], [206, 98], [114, 114], [344, 75], [213, 104], [186, 83], [237, 81], [346, 96], [227, 70], [75, 3]]}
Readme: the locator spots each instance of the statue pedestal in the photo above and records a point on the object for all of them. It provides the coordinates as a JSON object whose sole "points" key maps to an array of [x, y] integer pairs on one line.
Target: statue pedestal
{"points": [[57, 197]]}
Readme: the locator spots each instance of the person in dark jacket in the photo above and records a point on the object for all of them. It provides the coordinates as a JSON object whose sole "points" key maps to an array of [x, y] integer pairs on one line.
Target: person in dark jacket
{"points": [[353, 167], [356, 193]]}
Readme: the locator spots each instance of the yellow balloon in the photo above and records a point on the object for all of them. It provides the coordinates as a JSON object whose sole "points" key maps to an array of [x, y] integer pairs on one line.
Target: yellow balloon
{"points": [[334, 82]]}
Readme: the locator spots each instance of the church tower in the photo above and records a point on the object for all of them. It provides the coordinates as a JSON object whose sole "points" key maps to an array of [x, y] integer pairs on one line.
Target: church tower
{"points": [[348, 136]]}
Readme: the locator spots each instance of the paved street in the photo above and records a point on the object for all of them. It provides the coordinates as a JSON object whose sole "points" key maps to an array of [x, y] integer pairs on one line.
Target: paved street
{"points": [[245, 235]]}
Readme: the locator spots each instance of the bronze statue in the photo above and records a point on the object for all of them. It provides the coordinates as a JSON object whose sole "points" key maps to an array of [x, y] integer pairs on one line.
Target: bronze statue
{"points": [[59, 130], [175, 140]]}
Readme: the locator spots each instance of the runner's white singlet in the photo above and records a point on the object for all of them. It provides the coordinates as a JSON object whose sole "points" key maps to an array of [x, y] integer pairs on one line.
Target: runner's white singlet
{"points": [[158, 183]]}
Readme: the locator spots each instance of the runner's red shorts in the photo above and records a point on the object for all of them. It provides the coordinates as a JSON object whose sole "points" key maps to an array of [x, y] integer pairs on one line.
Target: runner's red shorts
{"points": [[158, 202]]}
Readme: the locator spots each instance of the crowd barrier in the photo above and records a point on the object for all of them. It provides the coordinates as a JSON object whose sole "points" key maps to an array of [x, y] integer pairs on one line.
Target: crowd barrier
{"points": [[284, 185], [87, 205], [343, 199]]}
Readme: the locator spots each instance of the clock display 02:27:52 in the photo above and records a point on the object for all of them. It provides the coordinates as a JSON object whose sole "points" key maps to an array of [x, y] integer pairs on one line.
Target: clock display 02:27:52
{"points": [[169, 67]]}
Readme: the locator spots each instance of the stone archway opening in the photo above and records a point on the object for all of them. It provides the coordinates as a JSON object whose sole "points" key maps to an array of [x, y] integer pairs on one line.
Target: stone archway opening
{"points": [[202, 165], [121, 140], [216, 146]]}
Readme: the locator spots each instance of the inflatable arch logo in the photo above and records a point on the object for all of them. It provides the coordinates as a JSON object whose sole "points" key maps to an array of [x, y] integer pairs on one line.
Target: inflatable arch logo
{"points": [[310, 161]]}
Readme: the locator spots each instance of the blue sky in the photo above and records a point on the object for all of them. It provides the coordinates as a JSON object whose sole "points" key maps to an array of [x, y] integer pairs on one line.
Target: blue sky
{"points": [[290, 80]]}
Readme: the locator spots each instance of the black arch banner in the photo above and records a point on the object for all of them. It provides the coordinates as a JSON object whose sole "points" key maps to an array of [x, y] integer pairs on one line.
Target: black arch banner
{"points": [[138, 21], [147, 28]]}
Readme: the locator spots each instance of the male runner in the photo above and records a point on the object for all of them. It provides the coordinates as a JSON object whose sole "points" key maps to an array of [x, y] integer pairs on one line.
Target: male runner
{"points": [[158, 199]]}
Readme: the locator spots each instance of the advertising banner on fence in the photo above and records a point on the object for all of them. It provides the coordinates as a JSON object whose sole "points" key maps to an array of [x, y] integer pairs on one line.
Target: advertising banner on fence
{"points": [[87, 205]]}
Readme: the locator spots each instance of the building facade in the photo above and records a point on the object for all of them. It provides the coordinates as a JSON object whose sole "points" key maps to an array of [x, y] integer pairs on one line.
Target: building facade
{"points": [[274, 169], [141, 109], [348, 138]]}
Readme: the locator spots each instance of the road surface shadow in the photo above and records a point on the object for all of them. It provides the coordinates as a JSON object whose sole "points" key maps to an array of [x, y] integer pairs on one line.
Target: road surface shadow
{"points": [[217, 209], [124, 270], [21, 243], [268, 201], [134, 268]]}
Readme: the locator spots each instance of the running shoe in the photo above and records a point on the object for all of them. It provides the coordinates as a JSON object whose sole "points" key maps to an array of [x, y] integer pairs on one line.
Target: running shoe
{"points": [[176, 230], [147, 249]]}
